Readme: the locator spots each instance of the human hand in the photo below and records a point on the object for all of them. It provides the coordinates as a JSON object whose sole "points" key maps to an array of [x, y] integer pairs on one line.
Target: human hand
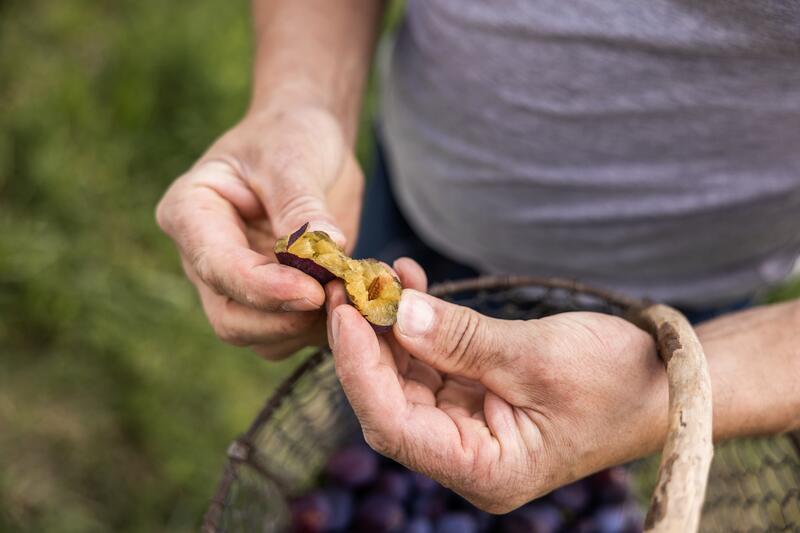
{"points": [[274, 171], [499, 411]]}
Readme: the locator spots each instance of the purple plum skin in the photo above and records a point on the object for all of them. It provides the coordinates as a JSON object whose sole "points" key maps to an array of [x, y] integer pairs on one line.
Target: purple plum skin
{"points": [[573, 498], [380, 330], [380, 514], [310, 513], [612, 485], [429, 505], [419, 525], [394, 484], [341, 503], [322, 275], [533, 518], [457, 522], [296, 235], [353, 466]]}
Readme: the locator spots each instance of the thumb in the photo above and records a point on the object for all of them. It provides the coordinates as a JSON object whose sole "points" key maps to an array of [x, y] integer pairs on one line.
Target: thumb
{"points": [[292, 201], [451, 338]]}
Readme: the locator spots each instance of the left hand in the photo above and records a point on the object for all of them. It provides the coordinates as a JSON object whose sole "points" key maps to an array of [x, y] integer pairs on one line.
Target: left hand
{"points": [[499, 411]]}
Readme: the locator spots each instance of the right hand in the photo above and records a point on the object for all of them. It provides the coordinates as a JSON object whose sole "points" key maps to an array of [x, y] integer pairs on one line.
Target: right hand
{"points": [[500, 411], [263, 179]]}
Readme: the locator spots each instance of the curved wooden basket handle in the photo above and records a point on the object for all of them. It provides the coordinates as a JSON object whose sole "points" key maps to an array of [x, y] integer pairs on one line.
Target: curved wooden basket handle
{"points": [[677, 501]]}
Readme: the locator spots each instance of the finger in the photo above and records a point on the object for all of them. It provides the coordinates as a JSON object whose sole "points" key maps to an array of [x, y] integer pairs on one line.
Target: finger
{"points": [[412, 276], [422, 382], [452, 338], [209, 233], [334, 297], [240, 325], [367, 372], [295, 196], [420, 436]]}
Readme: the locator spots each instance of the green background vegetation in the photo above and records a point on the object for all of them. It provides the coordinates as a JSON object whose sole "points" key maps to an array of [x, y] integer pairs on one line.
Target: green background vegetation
{"points": [[116, 401]]}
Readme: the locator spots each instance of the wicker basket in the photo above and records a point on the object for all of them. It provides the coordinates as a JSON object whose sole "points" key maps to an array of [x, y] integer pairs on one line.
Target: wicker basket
{"points": [[751, 485]]}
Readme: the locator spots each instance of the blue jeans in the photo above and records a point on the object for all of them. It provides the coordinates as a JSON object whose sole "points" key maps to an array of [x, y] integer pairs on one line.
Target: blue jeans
{"points": [[386, 235]]}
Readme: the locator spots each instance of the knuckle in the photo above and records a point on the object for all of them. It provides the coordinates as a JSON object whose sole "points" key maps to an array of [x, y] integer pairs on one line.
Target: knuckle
{"points": [[498, 507], [204, 264], [380, 443], [170, 202], [497, 499], [462, 338], [225, 331], [302, 206], [200, 263], [162, 214]]}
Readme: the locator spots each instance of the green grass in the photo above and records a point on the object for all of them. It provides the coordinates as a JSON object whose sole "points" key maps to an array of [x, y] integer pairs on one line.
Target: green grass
{"points": [[116, 401]]}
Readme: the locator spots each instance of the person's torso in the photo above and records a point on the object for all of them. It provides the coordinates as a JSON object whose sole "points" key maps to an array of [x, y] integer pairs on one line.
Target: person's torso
{"points": [[649, 146]]}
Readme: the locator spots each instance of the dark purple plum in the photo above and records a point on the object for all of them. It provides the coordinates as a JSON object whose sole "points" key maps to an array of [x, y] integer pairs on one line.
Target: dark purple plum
{"points": [[611, 485], [419, 525], [457, 502], [353, 466], [297, 234], [310, 513], [584, 525], [573, 498], [321, 274], [394, 483], [456, 522], [609, 520], [341, 504], [483, 519], [537, 517], [625, 518], [634, 519], [378, 513], [423, 483], [430, 504]]}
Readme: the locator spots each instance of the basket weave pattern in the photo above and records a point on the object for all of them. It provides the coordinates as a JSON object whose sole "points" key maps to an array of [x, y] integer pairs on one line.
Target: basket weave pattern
{"points": [[754, 484]]}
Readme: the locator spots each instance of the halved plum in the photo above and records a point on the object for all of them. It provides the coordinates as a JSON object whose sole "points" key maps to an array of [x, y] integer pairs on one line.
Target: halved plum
{"points": [[371, 286]]}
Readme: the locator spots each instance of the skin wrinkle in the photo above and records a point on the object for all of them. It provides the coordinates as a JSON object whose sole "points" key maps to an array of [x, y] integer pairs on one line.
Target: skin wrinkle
{"points": [[409, 414], [454, 334], [244, 205], [204, 207]]}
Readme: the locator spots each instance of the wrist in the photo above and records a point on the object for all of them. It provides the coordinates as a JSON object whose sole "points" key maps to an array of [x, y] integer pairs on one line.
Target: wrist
{"points": [[755, 369], [291, 97]]}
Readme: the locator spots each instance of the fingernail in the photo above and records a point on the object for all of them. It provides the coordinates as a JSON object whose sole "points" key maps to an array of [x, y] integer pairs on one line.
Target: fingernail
{"points": [[332, 231], [415, 315], [334, 328], [301, 304]]}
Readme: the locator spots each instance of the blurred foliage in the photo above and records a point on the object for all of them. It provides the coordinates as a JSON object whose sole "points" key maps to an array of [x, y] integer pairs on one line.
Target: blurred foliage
{"points": [[116, 401]]}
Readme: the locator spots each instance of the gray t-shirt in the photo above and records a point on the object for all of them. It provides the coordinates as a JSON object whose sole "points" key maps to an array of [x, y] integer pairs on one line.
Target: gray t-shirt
{"points": [[652, 146]]}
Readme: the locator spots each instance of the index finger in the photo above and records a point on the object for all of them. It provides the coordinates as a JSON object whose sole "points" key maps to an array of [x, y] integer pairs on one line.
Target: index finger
{"points": [[210, 234], [422, 437]]}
